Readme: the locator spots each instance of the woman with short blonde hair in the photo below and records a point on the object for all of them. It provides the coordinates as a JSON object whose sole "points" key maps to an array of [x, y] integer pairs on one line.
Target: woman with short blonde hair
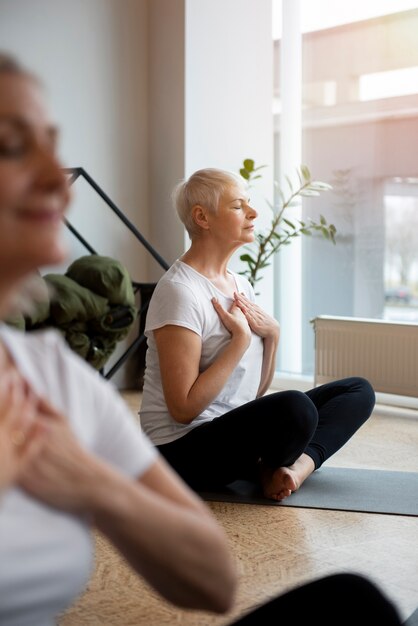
{"points": [[211, 358]]}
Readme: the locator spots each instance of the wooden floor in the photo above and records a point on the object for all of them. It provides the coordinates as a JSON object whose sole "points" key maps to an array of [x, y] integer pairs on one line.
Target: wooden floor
{"points": [[277, 548]]}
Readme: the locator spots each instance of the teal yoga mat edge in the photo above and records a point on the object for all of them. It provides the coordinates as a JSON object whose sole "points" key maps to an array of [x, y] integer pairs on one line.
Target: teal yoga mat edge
{"points": [[412, 619], [338, 488]]}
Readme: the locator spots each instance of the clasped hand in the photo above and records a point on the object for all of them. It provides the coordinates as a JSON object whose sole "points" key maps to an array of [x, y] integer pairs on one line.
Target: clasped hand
{"points": [[38, 450], [258, 320], [245, 316]]}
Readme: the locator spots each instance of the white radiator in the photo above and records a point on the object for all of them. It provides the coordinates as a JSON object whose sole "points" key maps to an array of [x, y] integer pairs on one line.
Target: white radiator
{"points": [[386, 353]]}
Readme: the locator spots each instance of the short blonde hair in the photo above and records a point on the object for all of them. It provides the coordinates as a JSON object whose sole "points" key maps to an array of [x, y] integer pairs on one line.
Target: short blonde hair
{"points": [[204, 187]]}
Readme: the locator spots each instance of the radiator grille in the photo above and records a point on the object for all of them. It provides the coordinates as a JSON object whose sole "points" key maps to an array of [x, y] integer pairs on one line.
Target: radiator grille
{"points": [[386, 353]]}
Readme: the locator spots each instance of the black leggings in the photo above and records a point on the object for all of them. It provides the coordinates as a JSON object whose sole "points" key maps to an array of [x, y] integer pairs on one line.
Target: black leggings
{"points": [[276, 429], [335, 600]]}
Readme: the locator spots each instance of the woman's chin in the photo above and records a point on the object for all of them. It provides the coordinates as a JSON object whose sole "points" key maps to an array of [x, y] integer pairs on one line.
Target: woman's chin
{"points": [[56, 254]]}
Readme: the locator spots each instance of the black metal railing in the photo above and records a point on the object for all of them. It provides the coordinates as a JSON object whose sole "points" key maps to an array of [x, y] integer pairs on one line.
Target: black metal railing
{"points": [[145, 289]]}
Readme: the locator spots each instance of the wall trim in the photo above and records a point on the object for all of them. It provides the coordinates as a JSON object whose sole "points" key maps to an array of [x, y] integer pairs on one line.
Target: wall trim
{"points": [[407, 406]]}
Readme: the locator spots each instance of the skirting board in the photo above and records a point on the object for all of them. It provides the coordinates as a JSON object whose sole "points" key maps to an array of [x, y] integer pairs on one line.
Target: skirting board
{"points": [[338, 488]]}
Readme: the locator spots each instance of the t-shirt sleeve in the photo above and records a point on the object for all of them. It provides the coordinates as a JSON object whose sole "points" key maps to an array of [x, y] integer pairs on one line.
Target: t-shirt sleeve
{"points": [[118, 436], [174, 303], [101, 417]]}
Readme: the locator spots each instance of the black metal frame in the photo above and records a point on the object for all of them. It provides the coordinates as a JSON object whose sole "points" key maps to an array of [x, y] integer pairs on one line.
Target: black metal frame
{"points": [[75, 173]]}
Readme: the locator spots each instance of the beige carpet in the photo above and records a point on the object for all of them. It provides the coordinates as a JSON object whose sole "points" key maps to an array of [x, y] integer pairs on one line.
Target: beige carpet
{"points": [[276, 548]]}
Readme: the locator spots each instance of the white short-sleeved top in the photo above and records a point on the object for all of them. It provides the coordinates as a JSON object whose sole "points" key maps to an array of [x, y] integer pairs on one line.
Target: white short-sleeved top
{"points": [[183, 297], [46, 556]]}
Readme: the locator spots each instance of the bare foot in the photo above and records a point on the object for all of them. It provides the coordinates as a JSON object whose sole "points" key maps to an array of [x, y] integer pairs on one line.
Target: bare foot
{"points": [[280, 483]]}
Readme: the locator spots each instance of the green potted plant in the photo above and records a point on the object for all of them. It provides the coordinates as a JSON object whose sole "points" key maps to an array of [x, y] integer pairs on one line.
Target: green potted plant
{"points": [[282, 230]]}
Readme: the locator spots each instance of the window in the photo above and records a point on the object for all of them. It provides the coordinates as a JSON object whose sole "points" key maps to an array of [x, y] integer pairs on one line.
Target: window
{"points": [[359, 115], [401, 250]]}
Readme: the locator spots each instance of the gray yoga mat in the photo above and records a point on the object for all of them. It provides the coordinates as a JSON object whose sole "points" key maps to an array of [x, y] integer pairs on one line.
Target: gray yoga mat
{"points": [[338, 488], [412, 619]]}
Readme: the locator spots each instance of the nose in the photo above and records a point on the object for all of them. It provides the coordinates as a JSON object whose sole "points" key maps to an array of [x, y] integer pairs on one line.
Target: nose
{"points": [[51, 176], [51, 171], [252, 213]]}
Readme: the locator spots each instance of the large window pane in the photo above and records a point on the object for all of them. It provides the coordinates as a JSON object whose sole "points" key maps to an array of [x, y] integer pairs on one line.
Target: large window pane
{"points": [[401, 250], [360, 120]]}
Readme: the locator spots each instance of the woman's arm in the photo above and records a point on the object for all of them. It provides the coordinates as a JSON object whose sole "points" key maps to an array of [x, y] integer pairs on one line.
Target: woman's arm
{"points": [[269, 364], [187, 391], [161, 527], [266, 327], [171, 538]]}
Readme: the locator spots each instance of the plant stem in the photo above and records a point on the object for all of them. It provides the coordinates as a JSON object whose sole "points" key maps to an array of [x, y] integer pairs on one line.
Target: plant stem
{"points": [[264, 255]]}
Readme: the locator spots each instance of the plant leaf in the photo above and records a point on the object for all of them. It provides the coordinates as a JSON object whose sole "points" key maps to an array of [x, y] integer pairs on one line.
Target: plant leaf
{"points": [[247, 259], [305, 172], [309, 192], [289, 223], [282, 231], [316, 184], [249, 164]]}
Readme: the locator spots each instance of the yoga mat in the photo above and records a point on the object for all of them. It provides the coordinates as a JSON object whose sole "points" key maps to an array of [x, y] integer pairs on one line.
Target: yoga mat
{"points": [[412, 619], [337, 488]]}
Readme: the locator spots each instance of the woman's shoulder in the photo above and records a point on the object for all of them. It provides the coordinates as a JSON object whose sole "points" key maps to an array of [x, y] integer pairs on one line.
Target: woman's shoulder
{"points": [[178, 272], [45, 358], [35, 341], [180, 280]]}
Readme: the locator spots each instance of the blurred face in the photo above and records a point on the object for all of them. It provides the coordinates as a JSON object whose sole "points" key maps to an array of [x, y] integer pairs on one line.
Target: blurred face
{"points": [[33, 189]]}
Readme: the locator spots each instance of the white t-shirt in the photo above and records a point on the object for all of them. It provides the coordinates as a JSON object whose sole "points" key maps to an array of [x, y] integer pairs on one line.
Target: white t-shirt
{"points": [[46, 556], [183, 297]]}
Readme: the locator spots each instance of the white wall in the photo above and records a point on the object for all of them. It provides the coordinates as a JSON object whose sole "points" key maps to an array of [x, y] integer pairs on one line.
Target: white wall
{"points": [[166, 122], [210, 103], [92, 58], [229, 87], [147, 91]]}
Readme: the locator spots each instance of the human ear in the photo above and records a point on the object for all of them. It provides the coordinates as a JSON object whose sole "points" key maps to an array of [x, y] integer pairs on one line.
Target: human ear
{"points": [[200, 217]]}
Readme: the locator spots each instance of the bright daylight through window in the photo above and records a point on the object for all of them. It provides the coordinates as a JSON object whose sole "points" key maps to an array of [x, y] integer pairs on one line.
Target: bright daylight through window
{"points": [[359, 121]]}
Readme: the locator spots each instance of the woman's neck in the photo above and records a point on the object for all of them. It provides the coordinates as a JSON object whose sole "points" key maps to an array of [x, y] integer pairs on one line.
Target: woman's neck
{"points": [[212, 267], [209, 262]]}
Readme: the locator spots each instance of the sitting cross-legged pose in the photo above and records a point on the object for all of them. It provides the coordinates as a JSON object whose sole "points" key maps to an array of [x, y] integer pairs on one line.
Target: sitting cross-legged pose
{"points": [[211, 358]]}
